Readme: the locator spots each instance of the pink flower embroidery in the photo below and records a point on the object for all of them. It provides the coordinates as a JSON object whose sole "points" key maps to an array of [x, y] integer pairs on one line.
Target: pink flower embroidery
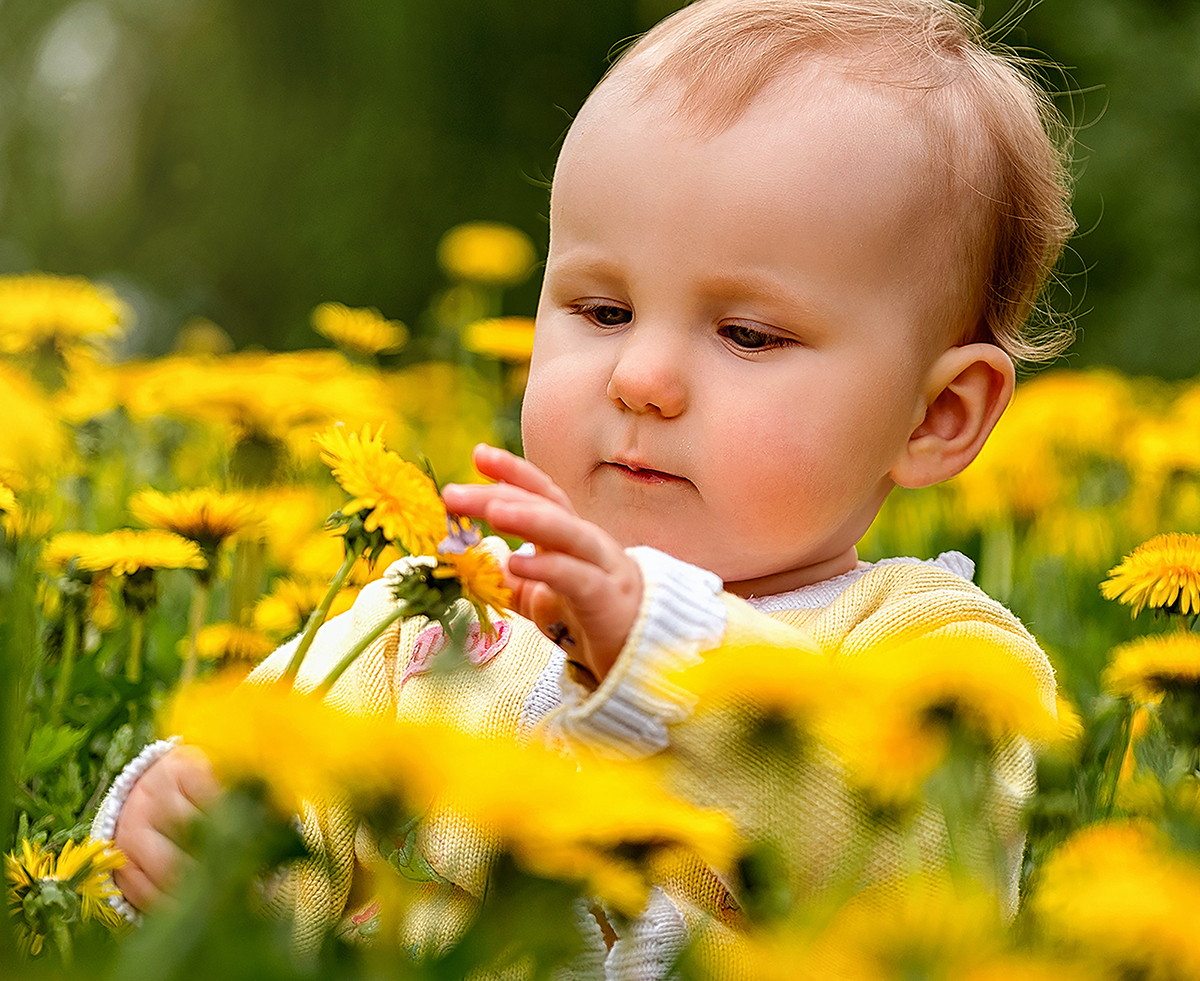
{"points": [[430, 642]]}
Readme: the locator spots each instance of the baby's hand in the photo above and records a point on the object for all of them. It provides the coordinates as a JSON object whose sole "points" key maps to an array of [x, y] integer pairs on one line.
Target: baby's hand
{"points": [[163, 801], [581, 589]]}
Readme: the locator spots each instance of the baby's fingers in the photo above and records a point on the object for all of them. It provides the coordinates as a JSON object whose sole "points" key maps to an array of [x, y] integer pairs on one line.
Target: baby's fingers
{"points": [[152, 864], [503, 466], [553, 530]]}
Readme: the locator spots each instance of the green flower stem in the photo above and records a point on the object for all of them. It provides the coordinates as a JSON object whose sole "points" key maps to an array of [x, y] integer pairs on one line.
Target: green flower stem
{"points": [[336, 672], [196, 618], [1125, 740], [317, 617], [70, 647], [137, 636]]}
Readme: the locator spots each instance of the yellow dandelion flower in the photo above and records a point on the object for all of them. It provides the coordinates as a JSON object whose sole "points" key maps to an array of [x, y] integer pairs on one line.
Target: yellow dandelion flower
{"points": [[289, 516], [403, 503], [33, 439], [83, 870], [506, 338], [1163, 573], [229, 642], [776, 676], [557, 816], [487, 252], [125, 552], [1120, 892], [584, 811], [286, 608], [37, 307], [358, 330], [278, 399], [8, 500], [925, 926], [28, 525], [62, 548], [1145, 668], [897, 703], [295, 744], [481, 578], [1069, 728], [207, 517]]}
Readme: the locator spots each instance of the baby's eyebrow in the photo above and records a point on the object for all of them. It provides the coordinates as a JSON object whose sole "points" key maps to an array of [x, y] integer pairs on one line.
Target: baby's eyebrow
{"points": [[748, 284], [585, 261]]}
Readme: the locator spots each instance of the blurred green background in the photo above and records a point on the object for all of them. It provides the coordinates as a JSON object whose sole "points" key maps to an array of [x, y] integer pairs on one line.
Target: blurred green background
{"points": [[244, 160]]}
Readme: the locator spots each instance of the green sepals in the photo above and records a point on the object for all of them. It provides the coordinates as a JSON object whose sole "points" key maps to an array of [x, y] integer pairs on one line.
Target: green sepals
{"points": [[372, 542], [423, 594]]}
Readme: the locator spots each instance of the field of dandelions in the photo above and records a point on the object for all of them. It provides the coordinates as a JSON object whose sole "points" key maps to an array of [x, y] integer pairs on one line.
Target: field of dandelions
{"points": [[167, 523]]}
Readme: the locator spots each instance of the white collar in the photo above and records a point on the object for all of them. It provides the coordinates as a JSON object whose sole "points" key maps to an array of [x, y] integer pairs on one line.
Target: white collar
{"points": [[821, 594]]}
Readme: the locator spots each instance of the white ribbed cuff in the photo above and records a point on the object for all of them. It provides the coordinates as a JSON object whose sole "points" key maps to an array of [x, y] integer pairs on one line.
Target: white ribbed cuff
{"points": [[104, 826], [682, 614]]}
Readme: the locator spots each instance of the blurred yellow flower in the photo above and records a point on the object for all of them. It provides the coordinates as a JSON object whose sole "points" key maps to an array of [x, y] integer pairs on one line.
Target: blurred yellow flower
{"points": [[481, 578], [558, 816], [448, 408], [320, 553], [297, 745], [62, 548], [229, 642], [1070, 725], [33, 440], [81, 870], [289, 518], [1163, 573], [36, 308], [922, 926], [897, 704], [27, 525], [124, 552], [279, 398], [1118, 891], [8, 500], [777, 677], [361, 331], [286, 608], [206, 516], [403, 503], [506, 338], [488, 253], [1144, 668]]}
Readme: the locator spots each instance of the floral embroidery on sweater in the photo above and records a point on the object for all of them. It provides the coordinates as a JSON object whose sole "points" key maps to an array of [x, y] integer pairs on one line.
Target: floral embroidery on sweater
{"points": [[480, 646]]}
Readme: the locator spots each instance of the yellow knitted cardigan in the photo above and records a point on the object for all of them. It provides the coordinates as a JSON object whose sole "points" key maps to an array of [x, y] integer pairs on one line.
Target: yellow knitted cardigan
{"points": [[805, 808]]}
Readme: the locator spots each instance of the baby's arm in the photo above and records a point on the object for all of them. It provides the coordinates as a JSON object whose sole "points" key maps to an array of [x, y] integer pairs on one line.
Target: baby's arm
{"points": [[581, 588]]}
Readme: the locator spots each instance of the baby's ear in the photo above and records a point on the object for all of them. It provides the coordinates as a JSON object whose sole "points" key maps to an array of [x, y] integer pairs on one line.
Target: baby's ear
{"points": [[967, 389]]}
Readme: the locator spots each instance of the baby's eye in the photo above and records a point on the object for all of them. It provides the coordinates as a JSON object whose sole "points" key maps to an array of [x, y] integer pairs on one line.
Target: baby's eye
{"points": [[603, 314], [751, 338]]}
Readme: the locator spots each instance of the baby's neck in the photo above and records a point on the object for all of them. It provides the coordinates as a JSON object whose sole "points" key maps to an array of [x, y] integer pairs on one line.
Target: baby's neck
{"points": [[782, 582]]}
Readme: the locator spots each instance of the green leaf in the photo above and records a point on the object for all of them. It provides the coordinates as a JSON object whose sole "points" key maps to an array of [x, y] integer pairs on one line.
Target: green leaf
{"points": [[48, 747]]}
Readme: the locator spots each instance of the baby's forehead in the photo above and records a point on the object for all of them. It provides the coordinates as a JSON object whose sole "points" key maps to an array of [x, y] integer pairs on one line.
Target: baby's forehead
{"points": [[819, 102]]}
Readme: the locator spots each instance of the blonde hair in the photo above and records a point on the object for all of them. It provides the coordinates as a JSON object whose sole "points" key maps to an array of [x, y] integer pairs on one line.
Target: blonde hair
{"points": [[1005, 144]]}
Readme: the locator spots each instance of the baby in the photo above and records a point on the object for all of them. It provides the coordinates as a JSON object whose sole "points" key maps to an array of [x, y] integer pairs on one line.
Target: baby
{"points": [[794, 246]]}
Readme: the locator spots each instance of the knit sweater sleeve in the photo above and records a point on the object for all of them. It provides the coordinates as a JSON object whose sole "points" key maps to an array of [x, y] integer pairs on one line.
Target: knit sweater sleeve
{"points": [[682, 613]]}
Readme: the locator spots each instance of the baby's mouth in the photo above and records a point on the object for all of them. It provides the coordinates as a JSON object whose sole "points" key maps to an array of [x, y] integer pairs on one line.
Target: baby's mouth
{"points": [[645, 475]]}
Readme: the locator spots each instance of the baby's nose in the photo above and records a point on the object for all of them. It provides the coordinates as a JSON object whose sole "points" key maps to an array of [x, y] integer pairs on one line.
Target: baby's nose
{"points": [[649, 377]]}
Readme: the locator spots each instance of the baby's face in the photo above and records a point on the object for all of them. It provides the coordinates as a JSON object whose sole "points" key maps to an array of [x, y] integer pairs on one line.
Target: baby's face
{"points": [[732, 338]]}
